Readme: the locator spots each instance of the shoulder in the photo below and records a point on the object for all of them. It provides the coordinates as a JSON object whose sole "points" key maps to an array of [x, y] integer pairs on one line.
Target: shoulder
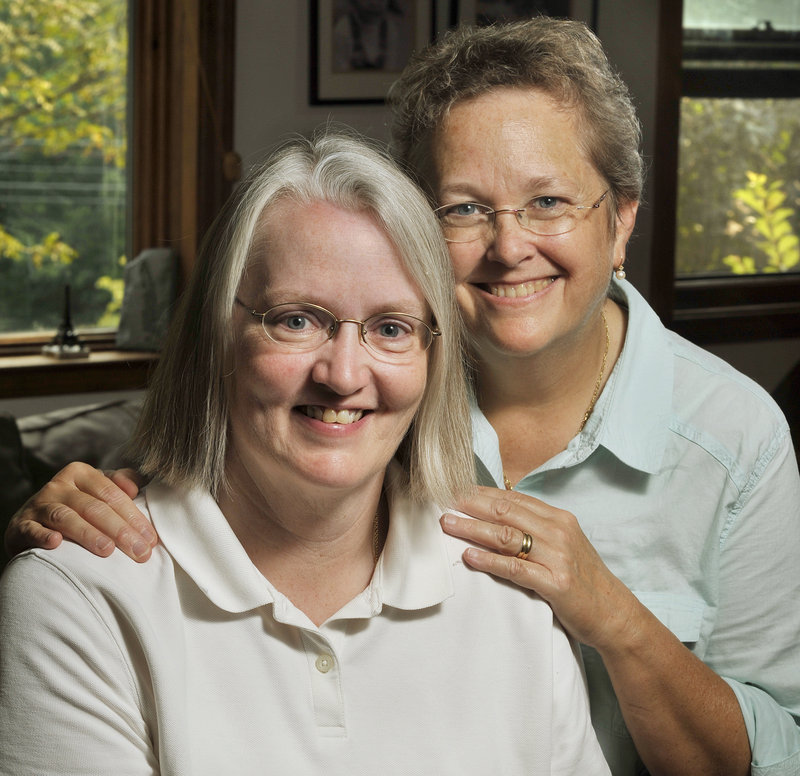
{"points": [[711, 396], [49, 584], [712, 403], [490, 595]]}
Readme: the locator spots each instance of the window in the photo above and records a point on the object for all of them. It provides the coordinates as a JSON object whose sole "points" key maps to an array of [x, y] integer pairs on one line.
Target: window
{"points": [[728, 266], [180, 128], [63, 192]]}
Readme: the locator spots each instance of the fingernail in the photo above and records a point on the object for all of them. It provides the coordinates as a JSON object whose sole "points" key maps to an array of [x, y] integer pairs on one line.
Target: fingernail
{"points": [[103, 543], [139, 548], [448, 520]]}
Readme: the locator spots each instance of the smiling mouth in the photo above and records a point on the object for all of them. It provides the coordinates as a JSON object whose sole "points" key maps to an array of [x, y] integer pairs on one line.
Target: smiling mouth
{"points": [[330, 415], [520, 290]]}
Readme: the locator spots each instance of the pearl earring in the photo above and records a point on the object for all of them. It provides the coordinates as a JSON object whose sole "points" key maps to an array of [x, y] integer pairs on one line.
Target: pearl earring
{"points": [[620, 270]]}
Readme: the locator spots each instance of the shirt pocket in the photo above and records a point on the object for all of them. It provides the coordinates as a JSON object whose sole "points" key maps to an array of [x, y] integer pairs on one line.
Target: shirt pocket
{"points": [[682, 614]]}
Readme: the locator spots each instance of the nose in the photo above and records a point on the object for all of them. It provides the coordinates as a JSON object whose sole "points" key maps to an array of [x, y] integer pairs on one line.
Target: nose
{"points": [[342, 363], [510, 243]]}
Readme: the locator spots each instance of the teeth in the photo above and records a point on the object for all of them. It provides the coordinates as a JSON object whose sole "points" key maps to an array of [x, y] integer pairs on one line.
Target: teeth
{"points": [[330, 415], [522, 289]]}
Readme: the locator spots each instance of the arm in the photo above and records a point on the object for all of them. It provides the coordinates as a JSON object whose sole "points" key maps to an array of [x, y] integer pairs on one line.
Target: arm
{"points": [[684, 719], [82, 504], [71, 703]]}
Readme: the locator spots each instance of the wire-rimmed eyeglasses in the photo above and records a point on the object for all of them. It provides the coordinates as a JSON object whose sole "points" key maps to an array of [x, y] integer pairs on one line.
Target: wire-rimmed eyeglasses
{"points": [[545, 216], [305, 326]]}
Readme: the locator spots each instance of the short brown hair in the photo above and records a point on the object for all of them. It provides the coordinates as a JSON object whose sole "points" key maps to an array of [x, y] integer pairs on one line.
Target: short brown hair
{"points": [[561, 57]]}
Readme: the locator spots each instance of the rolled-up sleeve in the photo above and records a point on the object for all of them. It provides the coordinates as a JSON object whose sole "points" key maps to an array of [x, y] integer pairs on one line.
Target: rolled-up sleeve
{"points": [[755, 646]]}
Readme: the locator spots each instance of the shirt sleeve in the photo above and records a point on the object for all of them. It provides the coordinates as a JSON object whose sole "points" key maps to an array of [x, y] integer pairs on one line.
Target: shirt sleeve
{"points": [[69, 702], [575, 745], [755, 645]]}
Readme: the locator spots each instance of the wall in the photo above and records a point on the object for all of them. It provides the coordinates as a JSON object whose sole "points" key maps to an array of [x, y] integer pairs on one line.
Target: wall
{"points": [[272, 80]]}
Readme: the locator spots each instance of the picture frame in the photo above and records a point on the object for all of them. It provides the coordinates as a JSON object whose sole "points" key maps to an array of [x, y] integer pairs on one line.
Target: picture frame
{"points": [[358, 48]]}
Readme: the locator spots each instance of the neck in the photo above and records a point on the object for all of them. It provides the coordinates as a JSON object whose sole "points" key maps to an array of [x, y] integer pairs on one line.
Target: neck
{"points": [[537, 403], [316, 548]]}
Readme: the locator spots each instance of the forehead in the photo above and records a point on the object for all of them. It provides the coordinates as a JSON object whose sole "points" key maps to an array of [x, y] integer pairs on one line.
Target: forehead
{"points": [[508, 134], [319, 251]]}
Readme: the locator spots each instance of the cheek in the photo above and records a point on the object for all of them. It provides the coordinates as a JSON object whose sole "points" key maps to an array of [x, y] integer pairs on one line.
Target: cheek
{"points": [[464, 257], [261, 381], [404, 388]]}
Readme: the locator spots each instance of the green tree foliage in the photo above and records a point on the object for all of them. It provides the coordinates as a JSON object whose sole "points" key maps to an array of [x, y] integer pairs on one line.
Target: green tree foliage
{"points": [[739, 186], [770, 223], [63, 67]]}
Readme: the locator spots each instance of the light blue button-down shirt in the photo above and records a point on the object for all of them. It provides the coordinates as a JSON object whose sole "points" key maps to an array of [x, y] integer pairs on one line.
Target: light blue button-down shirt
{"points": [[685, 480]]}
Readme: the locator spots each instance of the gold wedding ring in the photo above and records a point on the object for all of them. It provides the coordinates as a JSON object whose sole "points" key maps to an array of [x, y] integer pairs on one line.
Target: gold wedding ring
{"points": [[527, 543]]}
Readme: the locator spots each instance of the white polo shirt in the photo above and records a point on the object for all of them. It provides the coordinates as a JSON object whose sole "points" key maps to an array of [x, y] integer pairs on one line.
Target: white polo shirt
{"points": [[193, 663]]}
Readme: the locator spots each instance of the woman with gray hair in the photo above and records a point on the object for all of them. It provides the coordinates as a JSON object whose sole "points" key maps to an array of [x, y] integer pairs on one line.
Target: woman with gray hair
{"points": [[651, 491], [303, 613]]}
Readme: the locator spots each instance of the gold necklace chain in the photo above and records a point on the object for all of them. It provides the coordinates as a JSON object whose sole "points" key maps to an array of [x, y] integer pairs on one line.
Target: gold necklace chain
{"points": [[599, 382], [376, 539], [595, 393], [376, 533]]}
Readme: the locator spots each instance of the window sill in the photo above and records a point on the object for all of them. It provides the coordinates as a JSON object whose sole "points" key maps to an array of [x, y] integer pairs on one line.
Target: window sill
{"points": [[737, 309], [109, 370]]}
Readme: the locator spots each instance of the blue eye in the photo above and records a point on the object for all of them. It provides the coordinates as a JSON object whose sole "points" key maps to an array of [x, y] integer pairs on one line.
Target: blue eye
{"points": [[390, 330], [296, 322], [546, 203], [462, 211], [391, 333]]}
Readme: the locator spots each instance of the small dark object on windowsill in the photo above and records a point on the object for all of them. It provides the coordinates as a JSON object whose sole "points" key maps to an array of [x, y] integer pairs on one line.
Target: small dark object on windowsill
{"points": [[66, 343]]}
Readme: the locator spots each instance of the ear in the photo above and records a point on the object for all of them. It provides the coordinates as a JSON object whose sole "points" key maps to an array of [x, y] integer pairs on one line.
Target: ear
{"points": [[626, 220]]}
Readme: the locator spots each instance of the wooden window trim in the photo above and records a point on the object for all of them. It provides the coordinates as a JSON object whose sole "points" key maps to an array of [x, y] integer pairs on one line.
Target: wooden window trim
{"points": [[736, 309], [181, 139]]}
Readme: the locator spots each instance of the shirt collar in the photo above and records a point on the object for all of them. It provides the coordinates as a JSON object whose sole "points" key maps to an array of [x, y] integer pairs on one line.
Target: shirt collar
{"points": [[199, 538], [633, 419], [412, 573]]}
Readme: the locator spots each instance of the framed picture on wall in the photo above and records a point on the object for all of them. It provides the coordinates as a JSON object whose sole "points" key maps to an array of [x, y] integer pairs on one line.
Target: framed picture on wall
{"points": [[491, 11], [359, 47]]}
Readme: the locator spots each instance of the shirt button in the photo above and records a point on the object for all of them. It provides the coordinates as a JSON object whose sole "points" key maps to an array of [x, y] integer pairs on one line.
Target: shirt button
{"points": [[324, 663]]}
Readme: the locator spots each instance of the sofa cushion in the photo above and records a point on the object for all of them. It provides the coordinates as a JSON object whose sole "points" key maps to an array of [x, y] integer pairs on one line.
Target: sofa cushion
{"points": [[94, 434]]}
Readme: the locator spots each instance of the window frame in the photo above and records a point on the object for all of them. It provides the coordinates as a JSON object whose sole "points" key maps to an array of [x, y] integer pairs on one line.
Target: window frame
{"points": [[709, 310], [181, 86]]}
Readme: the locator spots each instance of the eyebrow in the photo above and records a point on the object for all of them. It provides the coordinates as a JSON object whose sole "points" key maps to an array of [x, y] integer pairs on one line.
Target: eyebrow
{"points": [[408, 306], [534, 184]]}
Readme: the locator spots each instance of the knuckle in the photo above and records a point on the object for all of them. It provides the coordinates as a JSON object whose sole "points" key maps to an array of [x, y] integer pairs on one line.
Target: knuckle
{"points": [[508, 537], [94, 511], [73, 470], [57, 516], [501, 507], [515, 567]]}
